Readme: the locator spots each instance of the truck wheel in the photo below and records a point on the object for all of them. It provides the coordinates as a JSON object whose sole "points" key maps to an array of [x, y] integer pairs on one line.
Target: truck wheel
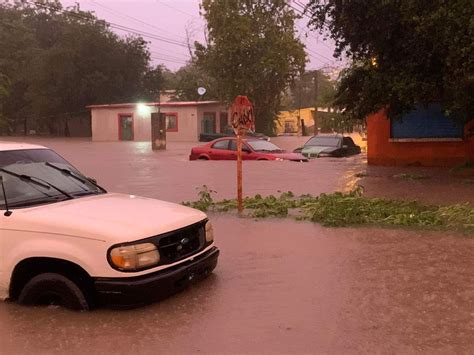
{"points": [[51, 288]]}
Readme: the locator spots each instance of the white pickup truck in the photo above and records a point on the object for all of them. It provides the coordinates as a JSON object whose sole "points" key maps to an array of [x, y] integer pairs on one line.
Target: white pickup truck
{"points": [[65, 240]]}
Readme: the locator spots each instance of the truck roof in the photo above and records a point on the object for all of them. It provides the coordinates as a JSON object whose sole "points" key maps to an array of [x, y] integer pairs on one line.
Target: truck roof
{"points": [[6, 146]]}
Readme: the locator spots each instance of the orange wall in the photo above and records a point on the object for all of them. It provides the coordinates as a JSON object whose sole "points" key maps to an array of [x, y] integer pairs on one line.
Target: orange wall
{"points": [[381, 151]]}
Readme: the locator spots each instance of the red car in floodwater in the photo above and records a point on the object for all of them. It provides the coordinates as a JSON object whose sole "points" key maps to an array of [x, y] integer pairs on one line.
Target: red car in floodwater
{"points": [[252, 149]]}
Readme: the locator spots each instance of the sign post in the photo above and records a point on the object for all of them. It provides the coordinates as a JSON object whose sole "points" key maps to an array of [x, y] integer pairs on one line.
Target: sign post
{"points": [[242, 119]]}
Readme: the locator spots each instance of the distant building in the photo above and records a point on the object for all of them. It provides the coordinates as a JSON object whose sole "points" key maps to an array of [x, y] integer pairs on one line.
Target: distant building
{"points": [[185, 120], [290, 122], [422, 137]]}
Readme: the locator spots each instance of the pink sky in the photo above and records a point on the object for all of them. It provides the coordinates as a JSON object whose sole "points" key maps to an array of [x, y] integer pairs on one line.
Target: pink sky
{"points": [[170, 19]]}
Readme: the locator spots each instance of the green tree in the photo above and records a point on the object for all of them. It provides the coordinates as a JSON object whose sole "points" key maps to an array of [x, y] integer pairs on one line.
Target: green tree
{"points": [[61, 60], [153, 81], [85, 64], [188, 79], [251, 50], [19, 45], [404, 53], [303, 91], [4, 92]]}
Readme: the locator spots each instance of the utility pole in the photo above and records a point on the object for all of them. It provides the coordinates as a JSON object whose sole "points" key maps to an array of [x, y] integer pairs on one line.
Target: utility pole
{"points": [[316, 94], [298, 121], [158, 128]]}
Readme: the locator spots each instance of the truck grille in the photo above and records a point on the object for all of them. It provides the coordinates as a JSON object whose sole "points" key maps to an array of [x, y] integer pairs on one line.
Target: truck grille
{"points": [[180, 244]]}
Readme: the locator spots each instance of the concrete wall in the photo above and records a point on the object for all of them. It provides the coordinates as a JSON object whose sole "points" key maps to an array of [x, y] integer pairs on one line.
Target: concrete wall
{"points": [[105, 123], [187, 124], [381, 150]]}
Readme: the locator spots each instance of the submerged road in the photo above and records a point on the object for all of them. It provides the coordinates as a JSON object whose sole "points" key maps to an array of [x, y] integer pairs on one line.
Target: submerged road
{"points": [[281, 286]]}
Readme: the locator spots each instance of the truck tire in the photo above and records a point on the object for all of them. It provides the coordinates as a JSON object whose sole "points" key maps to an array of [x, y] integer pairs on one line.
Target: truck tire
{"points": [[52, 288]]}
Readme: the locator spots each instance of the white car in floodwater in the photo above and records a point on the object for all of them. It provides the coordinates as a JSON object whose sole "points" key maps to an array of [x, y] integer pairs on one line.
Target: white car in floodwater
{"points": [[65, 240]]}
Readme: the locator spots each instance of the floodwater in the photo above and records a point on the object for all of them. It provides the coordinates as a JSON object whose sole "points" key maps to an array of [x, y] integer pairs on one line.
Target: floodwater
{"points": [[285, 287], [281, 286]]}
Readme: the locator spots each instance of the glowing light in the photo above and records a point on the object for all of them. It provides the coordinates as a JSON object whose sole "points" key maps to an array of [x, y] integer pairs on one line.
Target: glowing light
{"points": [[143, 109]]}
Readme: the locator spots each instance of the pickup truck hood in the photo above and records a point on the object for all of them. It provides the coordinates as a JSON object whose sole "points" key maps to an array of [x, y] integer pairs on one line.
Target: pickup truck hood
{"points": [[110, 217]]}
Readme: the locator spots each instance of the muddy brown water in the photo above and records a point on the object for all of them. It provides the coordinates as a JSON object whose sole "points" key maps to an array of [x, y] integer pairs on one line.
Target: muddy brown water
{"points": [[285, 287], [281, 286]]}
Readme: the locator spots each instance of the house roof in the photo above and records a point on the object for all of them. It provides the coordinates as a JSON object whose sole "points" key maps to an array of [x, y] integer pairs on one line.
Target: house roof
{"points": [[153, 104]]}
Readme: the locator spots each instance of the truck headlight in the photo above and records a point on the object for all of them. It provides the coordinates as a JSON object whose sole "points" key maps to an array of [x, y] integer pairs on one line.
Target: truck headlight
{"points": [[134, 257], [209, 232]]}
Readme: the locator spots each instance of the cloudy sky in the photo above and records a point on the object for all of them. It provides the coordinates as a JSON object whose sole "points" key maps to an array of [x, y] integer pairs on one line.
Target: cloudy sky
{"points": [[165, 22]]}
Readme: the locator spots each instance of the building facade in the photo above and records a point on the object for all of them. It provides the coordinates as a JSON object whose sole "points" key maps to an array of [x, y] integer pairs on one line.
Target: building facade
{"points": [[185, 121], [291, 122], [422, 137]]}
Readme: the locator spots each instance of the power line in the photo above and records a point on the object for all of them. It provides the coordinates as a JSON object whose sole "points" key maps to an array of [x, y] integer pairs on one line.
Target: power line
{"points": [[302, 6], [157, 46], [169, 56], [319, 55], [302, 11], [146, 34], [307, 33], [169, 60], [120, 14], [112, 25], [176, 9]]}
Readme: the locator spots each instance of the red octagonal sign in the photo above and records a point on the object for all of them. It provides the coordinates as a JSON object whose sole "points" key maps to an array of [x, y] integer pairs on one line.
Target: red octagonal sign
{"points": [[242, 116]]}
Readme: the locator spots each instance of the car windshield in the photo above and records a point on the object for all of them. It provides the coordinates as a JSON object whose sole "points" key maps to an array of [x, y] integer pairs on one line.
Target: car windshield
{"points": [[323, 141], [263, 146], [44, 167]]}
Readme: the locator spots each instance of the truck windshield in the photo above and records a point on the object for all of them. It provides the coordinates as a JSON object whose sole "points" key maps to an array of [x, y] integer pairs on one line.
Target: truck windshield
{"points": [[36, 163], [323, 142]]}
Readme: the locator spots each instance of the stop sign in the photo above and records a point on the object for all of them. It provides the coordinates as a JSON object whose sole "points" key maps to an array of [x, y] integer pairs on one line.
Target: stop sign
{"points": [[242, 116]]}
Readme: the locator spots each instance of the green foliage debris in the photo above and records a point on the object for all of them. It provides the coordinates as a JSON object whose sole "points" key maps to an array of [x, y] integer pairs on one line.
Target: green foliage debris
{"points": [[345, 209]]}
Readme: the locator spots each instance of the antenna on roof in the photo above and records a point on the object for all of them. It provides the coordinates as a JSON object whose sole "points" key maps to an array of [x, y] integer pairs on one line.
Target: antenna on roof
{"points": [[201, 91]]}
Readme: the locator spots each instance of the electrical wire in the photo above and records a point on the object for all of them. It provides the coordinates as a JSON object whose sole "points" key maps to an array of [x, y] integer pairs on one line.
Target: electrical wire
{"points": [[158, 56], [176, 9], [111, 24], [120, 14], [302, 12], [169, 60]]}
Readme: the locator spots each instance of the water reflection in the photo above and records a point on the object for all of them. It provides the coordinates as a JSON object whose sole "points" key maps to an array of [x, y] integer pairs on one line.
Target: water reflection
{"points": [[47, 329]]}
